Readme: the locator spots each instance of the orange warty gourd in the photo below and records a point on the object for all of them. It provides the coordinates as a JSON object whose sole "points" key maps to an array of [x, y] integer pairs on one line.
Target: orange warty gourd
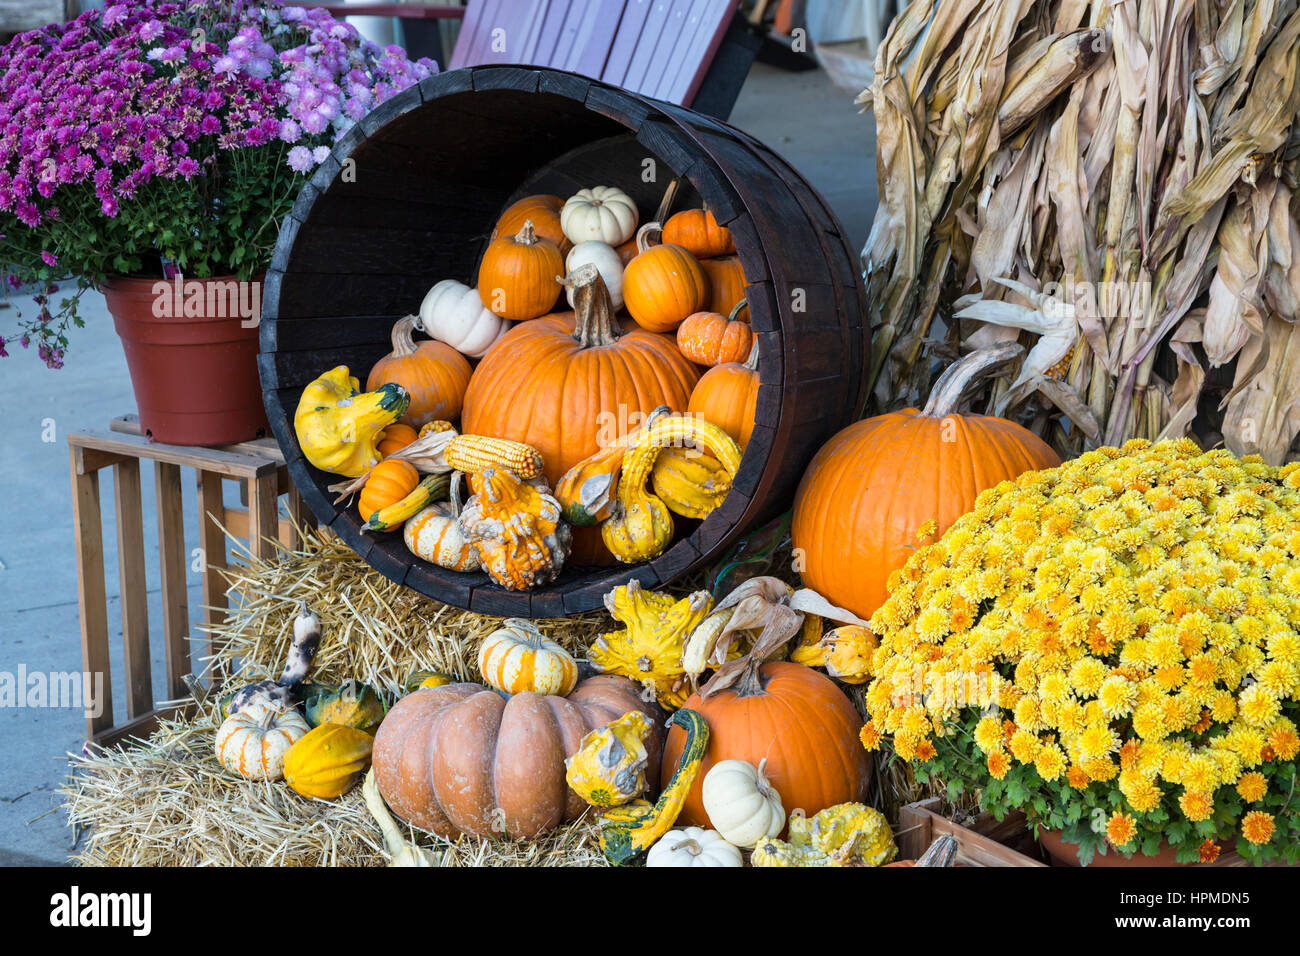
{"points": [[433, 373], [696, 231], [388, 483], [796, 719], [562, 383], [710, 338], [662, 285], [726, 286], [517, 277], [396, 437], [544, 211], [727, 395], [873, 485]]}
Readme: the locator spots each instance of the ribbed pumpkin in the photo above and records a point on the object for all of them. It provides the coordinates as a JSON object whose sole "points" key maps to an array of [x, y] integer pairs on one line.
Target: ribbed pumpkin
{"points": [[328, 762], [254, 741], [797, 720], [517, 657], [726, 286], [711, 338], [727, 395], [696, 231], [516, 279], [544, 211], [388, 483], [434, 534], [463, 758], [663, 284], [874, 484], [557, 382], [396, 437], [434, 375]]}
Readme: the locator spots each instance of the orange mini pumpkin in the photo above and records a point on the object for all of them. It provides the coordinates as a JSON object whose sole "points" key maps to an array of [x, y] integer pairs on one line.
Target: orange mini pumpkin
{"points": [[433, 373], [396, 437], [662, 285], [517, 277], [726, 286], [699, 233], [727, 395], [710, 338], [544, 211], [874, 484], [388, 483]]}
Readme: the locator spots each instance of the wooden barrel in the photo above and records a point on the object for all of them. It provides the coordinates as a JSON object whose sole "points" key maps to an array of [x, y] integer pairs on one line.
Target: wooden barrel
{"points": [[409, 196]]}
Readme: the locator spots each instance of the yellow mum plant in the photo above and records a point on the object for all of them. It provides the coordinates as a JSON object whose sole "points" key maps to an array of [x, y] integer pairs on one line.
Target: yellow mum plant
{"points": [[1113, 646]]}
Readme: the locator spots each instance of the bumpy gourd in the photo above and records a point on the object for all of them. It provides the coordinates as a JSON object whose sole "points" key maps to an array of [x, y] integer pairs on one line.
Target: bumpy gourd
{"points": [[586, 491], [253, 742], [649, 648], [609, 766], [809, 650], [284, 692], [847, 834], [517, 657], [328, 761], [421, 679], [339, 427], [352, 704], [628, 832], [849, 650], [690, 482], [517, 529]]}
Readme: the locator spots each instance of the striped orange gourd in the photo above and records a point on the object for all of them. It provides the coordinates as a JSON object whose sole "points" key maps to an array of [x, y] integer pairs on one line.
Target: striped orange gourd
{"points": [[518, 657], [253, 743], [434, 534]]}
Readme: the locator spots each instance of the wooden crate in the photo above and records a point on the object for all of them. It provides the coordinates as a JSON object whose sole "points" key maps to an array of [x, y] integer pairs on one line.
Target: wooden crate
{"points": [[987, 842], [256, 465]]}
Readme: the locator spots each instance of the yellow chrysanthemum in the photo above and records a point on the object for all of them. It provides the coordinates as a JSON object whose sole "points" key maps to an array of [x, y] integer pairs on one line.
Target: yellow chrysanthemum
{"points": [[1050, 762], [998, 763], [988, 734], [1252, 787], [1121, 829], [1196, 805], [1257, 827], [1117, 695], [1258, 707]]}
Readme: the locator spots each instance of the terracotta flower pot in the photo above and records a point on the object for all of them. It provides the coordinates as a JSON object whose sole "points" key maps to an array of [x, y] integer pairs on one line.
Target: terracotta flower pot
{"points": [[1067, 854], [191, 349]]}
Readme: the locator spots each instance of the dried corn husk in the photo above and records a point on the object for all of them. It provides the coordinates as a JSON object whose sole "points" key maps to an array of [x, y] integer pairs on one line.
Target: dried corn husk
{"points": [[1110, 181]]}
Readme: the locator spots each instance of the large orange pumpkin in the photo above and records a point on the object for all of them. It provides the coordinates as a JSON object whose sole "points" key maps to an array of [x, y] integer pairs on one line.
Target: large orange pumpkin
{"points": [[870, 487], [726, 286], [711, 338], [698, 233], [544, 211], [793, 717], [727, 395], [433, 373], [462, 758], [517, 277], [662, 285], [565, 382]]}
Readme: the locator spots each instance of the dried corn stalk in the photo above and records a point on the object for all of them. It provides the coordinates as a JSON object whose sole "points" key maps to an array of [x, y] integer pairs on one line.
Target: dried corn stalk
{"points": [[1112, 181]]}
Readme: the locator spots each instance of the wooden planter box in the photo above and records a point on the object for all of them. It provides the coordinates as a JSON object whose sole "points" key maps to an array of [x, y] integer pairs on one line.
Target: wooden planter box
{"points": [[987, 842]]}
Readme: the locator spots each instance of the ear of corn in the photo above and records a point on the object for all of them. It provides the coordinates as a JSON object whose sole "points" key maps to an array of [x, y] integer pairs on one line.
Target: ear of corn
{"points": [[473, 453]]}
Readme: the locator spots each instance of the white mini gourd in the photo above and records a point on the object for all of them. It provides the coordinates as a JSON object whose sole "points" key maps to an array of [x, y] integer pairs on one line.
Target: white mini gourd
{"points": [[693, 846], [607, 262], [742, 805], [453, 312], [604, 213]]}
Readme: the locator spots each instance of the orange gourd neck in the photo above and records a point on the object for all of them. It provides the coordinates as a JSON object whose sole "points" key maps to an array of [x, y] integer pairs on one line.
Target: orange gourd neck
{"points": [[594, 323]]}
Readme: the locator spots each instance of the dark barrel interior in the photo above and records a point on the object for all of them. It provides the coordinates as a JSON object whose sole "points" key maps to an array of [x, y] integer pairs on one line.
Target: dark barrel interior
{"points": [[409, 197]]}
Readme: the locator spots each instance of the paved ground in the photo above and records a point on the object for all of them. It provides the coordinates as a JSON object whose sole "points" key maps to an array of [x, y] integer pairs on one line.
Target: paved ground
{"points": [[800, 115]]}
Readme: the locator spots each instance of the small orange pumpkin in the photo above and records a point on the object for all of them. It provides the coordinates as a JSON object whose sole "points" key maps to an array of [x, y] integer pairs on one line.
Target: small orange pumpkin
{"points": [[699, 233], [433, 373], [396, 437], [544, 211], [517, 277], [662, 285], [626, 251], [727, 395], [726, 286], [709, 338], [388, 483]]}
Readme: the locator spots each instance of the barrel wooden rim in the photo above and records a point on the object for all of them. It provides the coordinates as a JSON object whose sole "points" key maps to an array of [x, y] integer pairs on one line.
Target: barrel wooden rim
{"points": [[676, 137]]}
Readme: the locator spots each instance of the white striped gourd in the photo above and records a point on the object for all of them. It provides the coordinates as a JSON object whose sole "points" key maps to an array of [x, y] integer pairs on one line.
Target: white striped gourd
{"points": [[518, 658]]}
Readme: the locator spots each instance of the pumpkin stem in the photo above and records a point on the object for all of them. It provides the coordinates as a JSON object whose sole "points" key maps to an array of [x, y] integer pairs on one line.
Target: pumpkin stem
{"points": [[690, 846], [670, 196], [595, 324], [732, 316], [959, 379], [527, 235], [750, 684], [643, 241], [403, 337], [751, 363], [268, 718]]}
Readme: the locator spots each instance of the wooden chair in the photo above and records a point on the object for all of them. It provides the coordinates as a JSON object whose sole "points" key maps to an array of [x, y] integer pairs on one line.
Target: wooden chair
{"points": [[692, 53]]}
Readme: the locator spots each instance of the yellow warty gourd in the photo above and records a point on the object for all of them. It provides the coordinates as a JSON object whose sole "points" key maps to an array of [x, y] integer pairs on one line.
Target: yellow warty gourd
{"points": [[608, 768], [339, 427], [848, 834]]}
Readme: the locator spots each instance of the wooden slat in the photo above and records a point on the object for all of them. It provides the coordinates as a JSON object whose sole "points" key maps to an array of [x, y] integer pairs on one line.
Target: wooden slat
{"points": [[550, 28], [654, 36], [593, 46], [706, 27], [212, 545], [92, 597], [300, 516], [203, 459], [265, 448], [635, 13], [172, 565], [134, 591], [263, 517], [141, 727]]}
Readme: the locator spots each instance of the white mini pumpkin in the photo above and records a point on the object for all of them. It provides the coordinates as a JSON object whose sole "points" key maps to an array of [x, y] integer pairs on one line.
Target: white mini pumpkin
{"points": [[604, 213], [253, 742], [518, 657], [434, 534], [607, 262], [452, 312], [742, 805], [692, 846]]}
